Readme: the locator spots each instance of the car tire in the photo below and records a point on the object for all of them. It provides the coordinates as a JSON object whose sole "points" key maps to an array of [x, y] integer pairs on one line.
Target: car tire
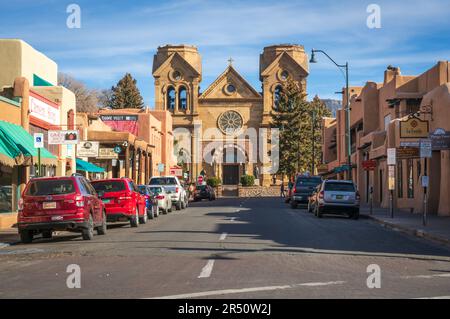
{"points": [[156, 211], [26, 236], [47, 234], [294, 204], [170, 209], [143, 219], [178, 206], [101, 230], [183, 205], [134, 221], [88, 233], [150, 213]]}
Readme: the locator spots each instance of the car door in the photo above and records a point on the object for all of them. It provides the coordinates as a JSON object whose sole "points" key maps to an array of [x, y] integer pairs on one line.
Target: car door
{"points": [[90, 200], [96, 201]]}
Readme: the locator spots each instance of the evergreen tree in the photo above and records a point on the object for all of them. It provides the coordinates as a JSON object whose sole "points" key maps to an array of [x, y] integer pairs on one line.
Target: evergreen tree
{"points": [[300, 123], [126, 94]]}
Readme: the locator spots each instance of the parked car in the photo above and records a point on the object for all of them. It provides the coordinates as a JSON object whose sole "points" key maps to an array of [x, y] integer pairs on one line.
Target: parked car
{"points": [[60, 203], [163, 200], [173, 187], [204, 192], [303, 188], [337, 197], [150, 201], [122, 200]]}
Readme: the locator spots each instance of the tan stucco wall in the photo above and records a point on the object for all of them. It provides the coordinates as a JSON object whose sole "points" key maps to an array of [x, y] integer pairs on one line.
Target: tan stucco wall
{"points": [[19, 59]]}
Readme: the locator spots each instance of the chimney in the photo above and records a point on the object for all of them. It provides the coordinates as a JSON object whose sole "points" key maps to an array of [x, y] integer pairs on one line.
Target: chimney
{"points": [[390, 73]]}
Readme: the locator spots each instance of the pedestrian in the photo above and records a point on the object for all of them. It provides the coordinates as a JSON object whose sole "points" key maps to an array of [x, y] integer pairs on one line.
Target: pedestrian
{"points": [[282, 191]]}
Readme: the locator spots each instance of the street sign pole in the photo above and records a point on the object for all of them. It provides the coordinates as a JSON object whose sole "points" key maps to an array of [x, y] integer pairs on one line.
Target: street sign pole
{"points": [[39, 163], [371, 200], [425, 153], [425, 196]]}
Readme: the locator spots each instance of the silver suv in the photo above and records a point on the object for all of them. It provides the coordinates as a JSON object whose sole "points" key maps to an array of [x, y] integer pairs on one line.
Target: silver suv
{"points": [[174, 189], [337, 197]]}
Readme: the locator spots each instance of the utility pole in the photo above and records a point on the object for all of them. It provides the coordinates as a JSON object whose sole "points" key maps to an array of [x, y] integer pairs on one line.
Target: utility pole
{"points": [[313, 128]]}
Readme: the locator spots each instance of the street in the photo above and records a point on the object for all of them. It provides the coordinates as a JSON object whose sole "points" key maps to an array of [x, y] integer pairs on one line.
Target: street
{"points": [[231, 248]]}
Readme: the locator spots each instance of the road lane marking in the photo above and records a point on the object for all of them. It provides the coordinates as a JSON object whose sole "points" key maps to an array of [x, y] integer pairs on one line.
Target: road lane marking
{"points": [[247, 290], [223, 236], [428, 276], [207, 270]]}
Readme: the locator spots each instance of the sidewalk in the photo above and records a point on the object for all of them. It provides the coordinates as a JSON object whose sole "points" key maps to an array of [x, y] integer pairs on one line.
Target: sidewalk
{"points": [[437, 228], [9, 237]]}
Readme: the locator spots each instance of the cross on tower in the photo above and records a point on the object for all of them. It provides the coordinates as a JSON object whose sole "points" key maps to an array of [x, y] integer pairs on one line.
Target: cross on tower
{"points": [[231, 61]]}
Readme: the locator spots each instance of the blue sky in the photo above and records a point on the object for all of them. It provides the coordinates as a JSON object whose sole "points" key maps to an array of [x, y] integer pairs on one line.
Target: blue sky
{"points": [[122, 36]]}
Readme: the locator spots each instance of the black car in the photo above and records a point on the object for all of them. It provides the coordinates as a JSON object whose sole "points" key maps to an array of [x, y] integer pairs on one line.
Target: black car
{"points": [[204, 192], [304, 187]]}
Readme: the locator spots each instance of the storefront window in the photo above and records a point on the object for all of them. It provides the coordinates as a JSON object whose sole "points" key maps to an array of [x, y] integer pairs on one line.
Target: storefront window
{"points": [[410, 172], [6, 189]]}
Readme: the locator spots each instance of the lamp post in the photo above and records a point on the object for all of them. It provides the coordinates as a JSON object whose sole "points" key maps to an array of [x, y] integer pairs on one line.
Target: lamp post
{"points": [[347, 107]]}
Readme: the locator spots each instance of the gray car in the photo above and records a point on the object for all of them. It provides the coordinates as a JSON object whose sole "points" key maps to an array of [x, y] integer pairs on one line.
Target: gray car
{"points": [[163, 200], [337, 197]]}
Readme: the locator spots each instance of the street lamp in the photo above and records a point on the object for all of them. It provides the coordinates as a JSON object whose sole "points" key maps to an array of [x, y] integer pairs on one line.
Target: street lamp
{"points": [[347, 107]]}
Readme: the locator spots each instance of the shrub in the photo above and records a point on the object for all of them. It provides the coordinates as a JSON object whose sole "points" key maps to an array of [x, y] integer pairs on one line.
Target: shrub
{"points": [[248, 180], [213, 181]]}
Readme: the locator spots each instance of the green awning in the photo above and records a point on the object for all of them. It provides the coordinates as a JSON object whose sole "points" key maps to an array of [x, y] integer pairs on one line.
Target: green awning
{"points": [[18, 145], [88, 167]]}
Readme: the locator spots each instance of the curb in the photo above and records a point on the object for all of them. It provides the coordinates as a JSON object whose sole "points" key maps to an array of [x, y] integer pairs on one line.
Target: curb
{"points": [[420, 233], [4, 245]]}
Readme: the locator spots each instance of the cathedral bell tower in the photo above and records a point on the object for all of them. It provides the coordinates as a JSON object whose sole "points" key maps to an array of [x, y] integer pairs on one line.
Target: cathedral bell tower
{"points": [[278, 64]]}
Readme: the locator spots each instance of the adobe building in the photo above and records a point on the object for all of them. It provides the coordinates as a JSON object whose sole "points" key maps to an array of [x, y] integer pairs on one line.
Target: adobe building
{"points": [[229, 106], [398, 113]]}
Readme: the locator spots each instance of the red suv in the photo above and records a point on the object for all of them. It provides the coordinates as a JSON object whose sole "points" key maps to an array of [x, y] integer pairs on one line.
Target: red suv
{"points": [[122, 200], [60, 203]]}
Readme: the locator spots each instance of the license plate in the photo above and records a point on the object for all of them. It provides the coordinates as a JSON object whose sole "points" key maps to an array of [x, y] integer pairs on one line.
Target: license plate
{"points": [[56, 218], [106, 201], [339, 197], [49, 205]]}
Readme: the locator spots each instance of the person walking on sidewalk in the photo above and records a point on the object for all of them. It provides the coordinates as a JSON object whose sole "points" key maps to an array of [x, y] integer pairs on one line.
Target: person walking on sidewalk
{"points": [[282, 190]]}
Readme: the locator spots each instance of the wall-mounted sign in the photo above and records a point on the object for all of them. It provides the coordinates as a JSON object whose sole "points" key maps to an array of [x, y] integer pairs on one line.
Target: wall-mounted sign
{"points": [[62, 137], [122, 123], [391, 178], [87, 149], [38, 140], [118, 149], [440, 140], [160, 168], [44, 111], [369, 165], [407, 153], [414, 128], [176, 171], [107, 153], [133, 118]]}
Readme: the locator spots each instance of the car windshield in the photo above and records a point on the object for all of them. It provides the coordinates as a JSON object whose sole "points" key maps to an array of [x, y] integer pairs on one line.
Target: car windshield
{"points": [[163, 181], [339, 187], [308, 181], [109, 186], [51, 187], [156, 190]]}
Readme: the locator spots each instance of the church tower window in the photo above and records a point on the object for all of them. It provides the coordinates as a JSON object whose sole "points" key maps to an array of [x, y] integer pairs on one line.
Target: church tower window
{"points": [[171, 99], [182, 99], [277, 96]]}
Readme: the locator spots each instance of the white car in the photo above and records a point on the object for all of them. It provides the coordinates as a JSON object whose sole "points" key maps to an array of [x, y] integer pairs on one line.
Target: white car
{"points": [[173, 188], [164, 202]]}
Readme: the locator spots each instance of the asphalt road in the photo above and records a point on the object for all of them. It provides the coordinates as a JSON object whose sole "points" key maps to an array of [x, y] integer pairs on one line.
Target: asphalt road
{"points": [[231, 248]]}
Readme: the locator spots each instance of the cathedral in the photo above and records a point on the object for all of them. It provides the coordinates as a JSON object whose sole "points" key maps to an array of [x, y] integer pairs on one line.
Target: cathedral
{"points": [[228, 107]]}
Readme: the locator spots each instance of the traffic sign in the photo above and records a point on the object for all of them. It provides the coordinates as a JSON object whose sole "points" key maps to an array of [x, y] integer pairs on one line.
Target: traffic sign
{"points": [[391, 178], [160, 168], [38, 140], [425, 148], [391, 156]]}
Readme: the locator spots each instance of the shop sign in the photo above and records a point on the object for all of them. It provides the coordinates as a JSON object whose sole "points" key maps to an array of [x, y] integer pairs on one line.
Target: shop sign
{"points": [[414, 128], [440, 140], [88, 149], [176, 171], [62, 137], [43, 111], [407, 153], [323, 168], [107, 153], [369, 165]]}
